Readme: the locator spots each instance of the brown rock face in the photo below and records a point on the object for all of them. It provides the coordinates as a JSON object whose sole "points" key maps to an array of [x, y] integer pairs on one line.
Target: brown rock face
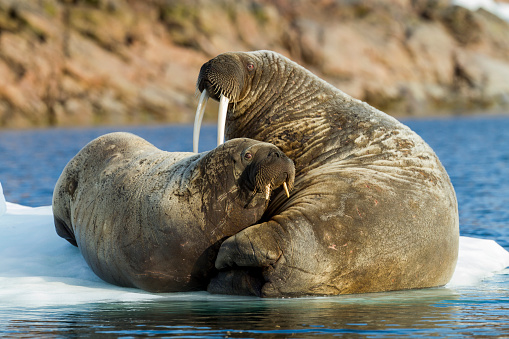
{"points": [[87, 62]]}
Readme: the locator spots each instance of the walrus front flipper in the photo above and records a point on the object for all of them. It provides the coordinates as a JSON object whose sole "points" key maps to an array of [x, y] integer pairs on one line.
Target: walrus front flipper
{"points": [[238, 282], [255, 246], [64, 232], [246, 262]]}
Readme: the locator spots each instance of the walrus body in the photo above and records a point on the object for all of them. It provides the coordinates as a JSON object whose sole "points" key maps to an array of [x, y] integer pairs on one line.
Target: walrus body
{"points": [[151, 219], [373, 209]]}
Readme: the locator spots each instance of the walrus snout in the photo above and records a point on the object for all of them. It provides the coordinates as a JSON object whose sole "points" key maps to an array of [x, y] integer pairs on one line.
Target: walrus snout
{"points": [[287, 175], [221, 76], [274, 171], [222, 79], [206, 84], [266, 168]]}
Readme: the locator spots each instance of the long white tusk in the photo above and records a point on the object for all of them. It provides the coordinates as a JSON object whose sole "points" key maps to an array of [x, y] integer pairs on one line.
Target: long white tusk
{"points": [[198, 119], [285, 186], [221, 118]]}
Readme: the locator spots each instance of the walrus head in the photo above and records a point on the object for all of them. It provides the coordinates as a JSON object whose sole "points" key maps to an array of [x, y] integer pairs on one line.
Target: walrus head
{"points": [[267, 168], [226, 78], [260, 168], [225, 75], [256, 83]]}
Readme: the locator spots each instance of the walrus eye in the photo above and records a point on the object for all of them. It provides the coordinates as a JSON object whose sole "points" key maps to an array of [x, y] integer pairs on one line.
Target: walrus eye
{"points": [[248, 156], [250, 66]]}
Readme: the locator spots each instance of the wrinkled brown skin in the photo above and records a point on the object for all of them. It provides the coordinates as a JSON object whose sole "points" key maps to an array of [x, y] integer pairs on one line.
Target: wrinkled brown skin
{"points": [[372, 209], [154, 220]]}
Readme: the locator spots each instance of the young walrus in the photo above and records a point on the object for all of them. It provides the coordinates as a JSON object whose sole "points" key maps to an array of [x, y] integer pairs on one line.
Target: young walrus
{"points": [[151, 219]]}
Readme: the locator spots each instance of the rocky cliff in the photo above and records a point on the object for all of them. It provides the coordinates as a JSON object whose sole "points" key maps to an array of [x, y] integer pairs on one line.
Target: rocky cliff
{"points": [[86, 62]]}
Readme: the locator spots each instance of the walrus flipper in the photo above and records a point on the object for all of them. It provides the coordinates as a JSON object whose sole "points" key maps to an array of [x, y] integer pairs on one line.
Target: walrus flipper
{"points": [[239, 281], [64, 231]]}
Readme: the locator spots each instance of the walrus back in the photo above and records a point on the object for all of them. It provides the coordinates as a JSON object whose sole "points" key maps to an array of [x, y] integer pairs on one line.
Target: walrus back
{"points": [[73, 197], [88, 158], [99, 200]]}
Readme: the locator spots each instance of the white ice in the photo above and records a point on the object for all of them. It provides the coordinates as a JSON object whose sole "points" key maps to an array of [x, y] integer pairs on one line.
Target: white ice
{"points": [[38, 268], [498, 8], [3, 207]]}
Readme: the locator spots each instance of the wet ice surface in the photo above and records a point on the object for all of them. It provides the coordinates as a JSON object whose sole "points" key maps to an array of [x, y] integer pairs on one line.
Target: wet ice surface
{"points": [[38, 268]]}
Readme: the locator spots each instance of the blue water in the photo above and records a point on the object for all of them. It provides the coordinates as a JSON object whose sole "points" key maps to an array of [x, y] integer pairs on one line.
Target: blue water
{"points": [[475, 152], [417, 314]]}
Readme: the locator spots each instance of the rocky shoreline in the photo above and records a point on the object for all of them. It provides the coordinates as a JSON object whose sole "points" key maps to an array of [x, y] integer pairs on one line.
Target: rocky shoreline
{"points": [[96, 62]]}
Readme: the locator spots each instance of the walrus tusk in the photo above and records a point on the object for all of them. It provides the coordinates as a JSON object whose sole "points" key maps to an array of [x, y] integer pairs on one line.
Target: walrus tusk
{"points": [[267, 192], [221, 119], [285, 186], [198, 119]]}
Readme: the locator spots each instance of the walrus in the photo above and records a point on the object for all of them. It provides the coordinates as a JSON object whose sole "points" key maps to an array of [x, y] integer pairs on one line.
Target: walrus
{"points": [[151, 219], [372, 210]]}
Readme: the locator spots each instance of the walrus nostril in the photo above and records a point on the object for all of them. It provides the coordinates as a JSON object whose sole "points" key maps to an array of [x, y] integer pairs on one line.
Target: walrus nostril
{"points": [[205, 84], [274, 154]]}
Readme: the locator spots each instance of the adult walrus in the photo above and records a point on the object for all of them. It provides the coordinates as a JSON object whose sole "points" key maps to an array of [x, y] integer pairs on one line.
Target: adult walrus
{"points": [[151, 219], [373, 209]]}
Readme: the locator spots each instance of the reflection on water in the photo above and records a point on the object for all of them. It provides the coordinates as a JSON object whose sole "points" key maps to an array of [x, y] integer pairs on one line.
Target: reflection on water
{"points": [[431, 312], [211, 315]]}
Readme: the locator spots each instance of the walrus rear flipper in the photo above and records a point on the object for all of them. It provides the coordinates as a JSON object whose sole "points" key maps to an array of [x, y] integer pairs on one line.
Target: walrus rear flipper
{"points": [[64, 231]]}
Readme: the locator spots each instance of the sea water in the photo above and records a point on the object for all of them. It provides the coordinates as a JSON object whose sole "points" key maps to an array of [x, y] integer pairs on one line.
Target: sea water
{"points": [[36, 300]]}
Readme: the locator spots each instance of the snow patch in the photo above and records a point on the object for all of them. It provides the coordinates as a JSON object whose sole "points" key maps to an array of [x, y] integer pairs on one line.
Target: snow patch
{"points": [[498, 8], [3, 206]]}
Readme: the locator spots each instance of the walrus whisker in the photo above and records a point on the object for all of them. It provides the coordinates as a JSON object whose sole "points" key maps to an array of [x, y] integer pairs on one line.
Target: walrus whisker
{"points": [[217, 90], [221, 118], [200, 110]]}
